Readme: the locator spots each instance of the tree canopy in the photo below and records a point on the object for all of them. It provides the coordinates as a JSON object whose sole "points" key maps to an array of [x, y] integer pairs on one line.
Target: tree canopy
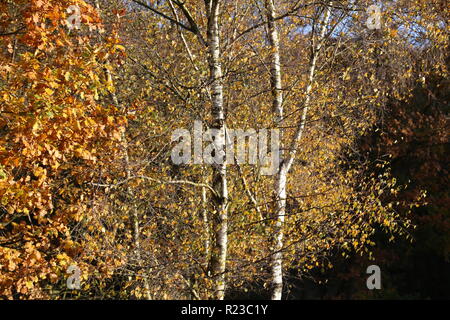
{"points": [[91, 93]]}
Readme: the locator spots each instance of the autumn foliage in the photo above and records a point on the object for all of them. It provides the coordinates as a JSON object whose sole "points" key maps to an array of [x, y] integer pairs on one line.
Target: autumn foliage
{"points": [[53, 129], [87, 114]]}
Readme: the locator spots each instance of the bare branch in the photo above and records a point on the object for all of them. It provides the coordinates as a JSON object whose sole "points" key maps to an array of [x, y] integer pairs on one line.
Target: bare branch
{"points": [[143, 4], [115, 185]]}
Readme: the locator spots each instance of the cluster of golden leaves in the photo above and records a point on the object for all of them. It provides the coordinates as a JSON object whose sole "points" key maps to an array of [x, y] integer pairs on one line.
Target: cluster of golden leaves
{"points": [[53, 128]]}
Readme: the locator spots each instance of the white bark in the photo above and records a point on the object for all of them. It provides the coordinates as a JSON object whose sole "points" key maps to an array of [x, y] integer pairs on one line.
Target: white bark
{"points": [[219, 250], [277, 256], [281, 175], [285, 164], [311, 74], [220, 190], [275, 66]]}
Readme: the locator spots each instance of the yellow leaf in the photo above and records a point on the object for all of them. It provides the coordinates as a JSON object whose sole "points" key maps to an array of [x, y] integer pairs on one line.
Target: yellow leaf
{"points": [[29, 284]]}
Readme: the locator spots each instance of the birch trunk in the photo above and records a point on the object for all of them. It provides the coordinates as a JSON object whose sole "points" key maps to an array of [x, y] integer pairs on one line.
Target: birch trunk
{"points": [[311, 74], [285, 164], [281, 175], [219, 249]]}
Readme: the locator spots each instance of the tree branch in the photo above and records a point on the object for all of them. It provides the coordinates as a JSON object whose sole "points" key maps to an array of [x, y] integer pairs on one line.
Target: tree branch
{"points": [[12, 32], [115, 185], [164, 15]]}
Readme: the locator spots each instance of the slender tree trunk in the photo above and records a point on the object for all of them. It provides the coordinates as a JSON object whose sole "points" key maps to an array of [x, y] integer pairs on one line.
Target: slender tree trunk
{"points": [[275, 65], [281, 175], [285, 164], [219, 249], [135, 221], [134, 212], [311, 75], [277, 256], [205, 223]]}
